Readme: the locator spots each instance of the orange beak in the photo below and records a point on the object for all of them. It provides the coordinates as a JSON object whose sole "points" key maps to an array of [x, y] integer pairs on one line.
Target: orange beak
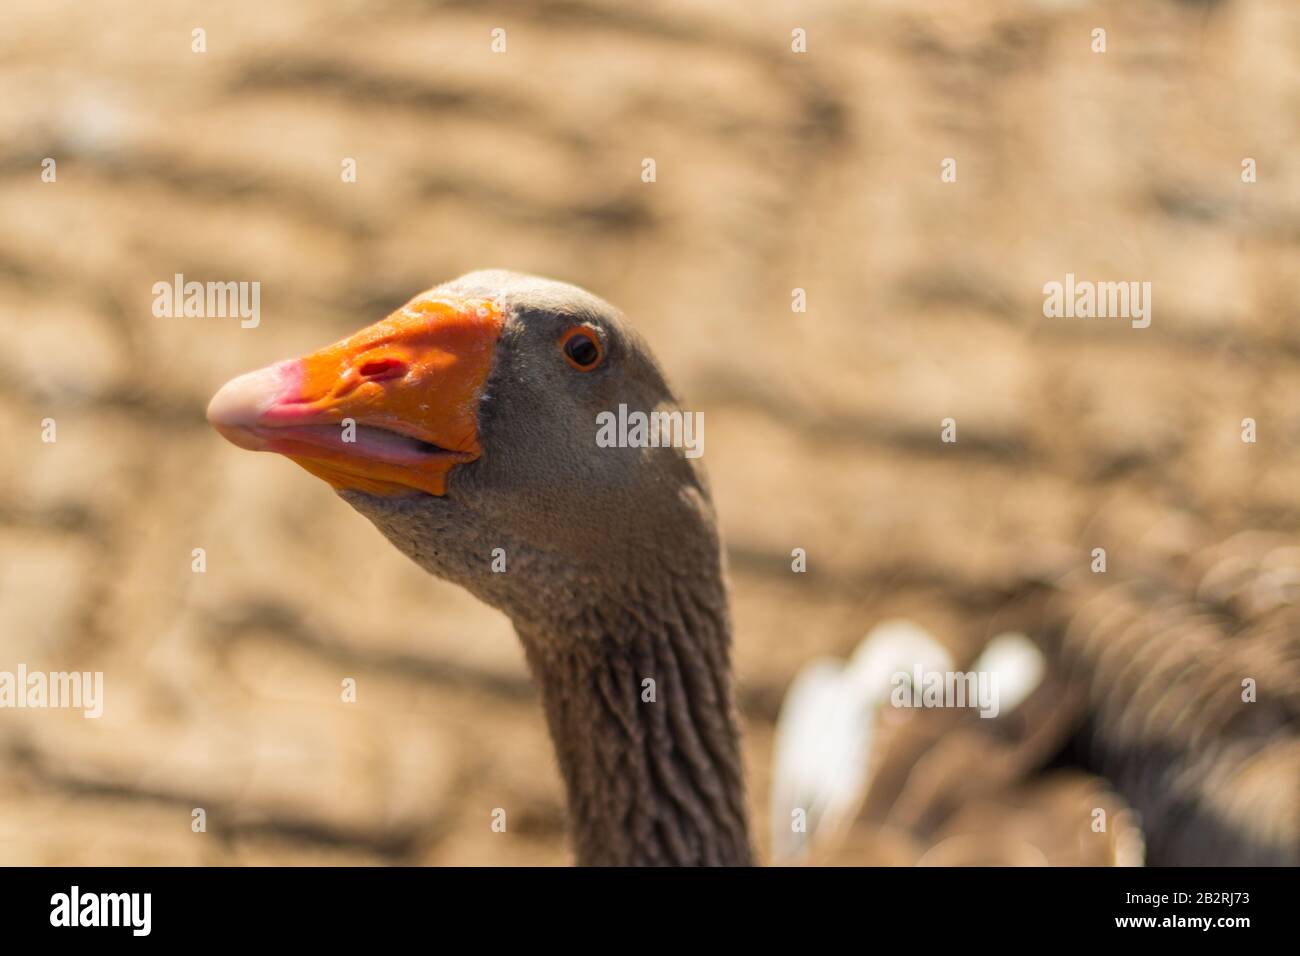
{"points": [[388, 410]]}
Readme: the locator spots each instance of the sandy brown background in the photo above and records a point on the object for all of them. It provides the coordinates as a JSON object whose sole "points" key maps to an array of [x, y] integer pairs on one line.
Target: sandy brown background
{"points": [[775, 171]]}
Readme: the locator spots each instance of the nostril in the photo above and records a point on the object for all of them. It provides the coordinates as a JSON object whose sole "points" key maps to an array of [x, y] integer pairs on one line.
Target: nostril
{"points": [[378, 370]]}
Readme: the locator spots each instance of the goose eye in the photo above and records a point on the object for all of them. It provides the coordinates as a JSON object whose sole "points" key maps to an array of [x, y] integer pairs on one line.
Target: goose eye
{"points": [[581, 349]]}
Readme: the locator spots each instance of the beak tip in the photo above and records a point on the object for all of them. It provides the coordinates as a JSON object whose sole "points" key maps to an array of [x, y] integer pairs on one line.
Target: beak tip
{"points": [[243, 401]]}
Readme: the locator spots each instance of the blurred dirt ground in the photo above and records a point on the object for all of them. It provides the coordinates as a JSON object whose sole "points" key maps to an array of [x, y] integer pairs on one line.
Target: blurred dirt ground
{"points": [[775, 171]]}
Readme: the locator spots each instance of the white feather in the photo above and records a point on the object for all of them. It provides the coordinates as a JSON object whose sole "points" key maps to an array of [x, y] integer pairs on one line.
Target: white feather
{"points": [[1018, 665], [825, 731]]}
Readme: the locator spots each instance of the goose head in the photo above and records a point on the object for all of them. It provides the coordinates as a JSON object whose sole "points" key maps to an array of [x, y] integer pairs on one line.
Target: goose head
{"points": [[464, 425]]}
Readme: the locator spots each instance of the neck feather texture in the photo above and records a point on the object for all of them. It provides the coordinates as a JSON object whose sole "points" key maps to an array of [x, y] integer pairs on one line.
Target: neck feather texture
{"points": [[649, 782]]}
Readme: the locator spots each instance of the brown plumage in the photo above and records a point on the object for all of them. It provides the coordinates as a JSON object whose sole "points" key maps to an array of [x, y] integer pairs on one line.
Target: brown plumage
{"points": [[1163, 658]]}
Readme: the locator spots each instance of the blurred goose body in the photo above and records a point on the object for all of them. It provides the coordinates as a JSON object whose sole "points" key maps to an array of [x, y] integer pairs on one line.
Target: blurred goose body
{"points": [[944, 786]]}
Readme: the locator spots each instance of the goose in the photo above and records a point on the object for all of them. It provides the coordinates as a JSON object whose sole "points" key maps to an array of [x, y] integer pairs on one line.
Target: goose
{"points": [[938, 786], [463, 426], [1169, 693]]}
